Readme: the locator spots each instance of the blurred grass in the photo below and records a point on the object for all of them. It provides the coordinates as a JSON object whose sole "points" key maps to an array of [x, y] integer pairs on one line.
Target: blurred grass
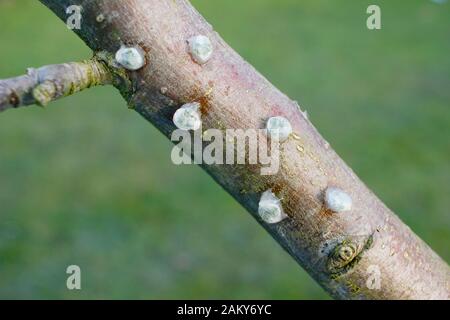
{"points": [[89, 182]]}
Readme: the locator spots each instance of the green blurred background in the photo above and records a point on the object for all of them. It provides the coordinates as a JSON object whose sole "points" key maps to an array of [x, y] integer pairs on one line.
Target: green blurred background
{"points": [[89, 182]]}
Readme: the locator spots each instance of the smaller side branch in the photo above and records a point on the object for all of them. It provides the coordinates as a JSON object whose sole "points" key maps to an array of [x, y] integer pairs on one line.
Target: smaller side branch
{"points": [[43, 85]]}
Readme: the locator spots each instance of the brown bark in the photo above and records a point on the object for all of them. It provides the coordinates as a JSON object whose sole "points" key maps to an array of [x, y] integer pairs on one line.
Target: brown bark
{"points": [[339, 250]]}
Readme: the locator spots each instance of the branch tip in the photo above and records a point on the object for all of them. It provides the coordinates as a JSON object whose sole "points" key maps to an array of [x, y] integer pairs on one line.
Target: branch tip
{"points": [[43, 85]]}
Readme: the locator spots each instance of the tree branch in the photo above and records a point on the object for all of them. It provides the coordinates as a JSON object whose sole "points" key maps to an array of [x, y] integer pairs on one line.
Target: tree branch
{"points": [[48, 83], [340, 250]]}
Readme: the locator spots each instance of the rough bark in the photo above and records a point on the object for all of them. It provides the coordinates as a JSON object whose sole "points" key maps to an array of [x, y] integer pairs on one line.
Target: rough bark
{"points": [[339, 250]]}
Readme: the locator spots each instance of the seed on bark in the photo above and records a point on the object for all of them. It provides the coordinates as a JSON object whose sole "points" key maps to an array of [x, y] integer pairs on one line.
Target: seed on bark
{"points": [[131, 58], [337, 200], [270, 209], [278, 128], [188, 117], [200, 48]]}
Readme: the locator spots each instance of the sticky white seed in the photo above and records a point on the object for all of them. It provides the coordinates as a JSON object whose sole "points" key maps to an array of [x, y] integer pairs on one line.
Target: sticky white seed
{"points": [[200, 48], [270, 209], [278, 128], [188, 117], [131, 58], [337, 200]]}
